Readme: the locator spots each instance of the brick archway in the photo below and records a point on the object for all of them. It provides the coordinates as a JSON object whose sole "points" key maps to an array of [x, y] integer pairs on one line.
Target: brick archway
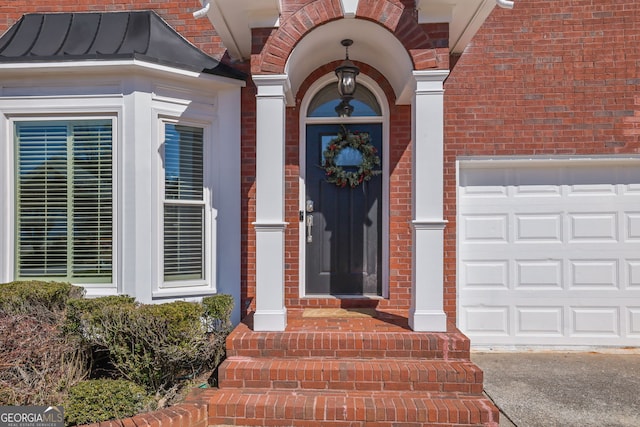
{"points": [[393, 15]]}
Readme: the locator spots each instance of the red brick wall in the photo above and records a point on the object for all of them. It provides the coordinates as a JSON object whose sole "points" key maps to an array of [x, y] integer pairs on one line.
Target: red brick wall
{"points": [[545, 78]]}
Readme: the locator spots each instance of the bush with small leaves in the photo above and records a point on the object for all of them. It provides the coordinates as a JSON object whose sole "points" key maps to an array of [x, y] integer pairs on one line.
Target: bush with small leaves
{"points": [[217, 309], [94, 401], [43, 299], [38, 362], [154, 345]]}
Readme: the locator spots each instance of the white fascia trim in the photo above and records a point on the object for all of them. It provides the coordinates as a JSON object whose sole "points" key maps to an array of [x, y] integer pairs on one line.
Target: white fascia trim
{"points": [[538, 161], [219, 21], [471, 28], [114, 66]]}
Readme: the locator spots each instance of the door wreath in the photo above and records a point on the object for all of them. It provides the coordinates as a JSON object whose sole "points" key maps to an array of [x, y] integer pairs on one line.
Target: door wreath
{"points": [[360, 141]]}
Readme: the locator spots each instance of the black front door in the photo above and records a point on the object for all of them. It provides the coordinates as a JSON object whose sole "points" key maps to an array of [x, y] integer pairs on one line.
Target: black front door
{"points": [[343, 241]]}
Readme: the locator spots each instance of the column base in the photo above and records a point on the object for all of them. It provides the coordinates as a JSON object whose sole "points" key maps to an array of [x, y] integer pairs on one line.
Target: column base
{"points": [[270, 320], [428, 321]]}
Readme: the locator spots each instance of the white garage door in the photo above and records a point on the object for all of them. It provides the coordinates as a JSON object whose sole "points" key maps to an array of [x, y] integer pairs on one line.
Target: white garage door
{"points": [[549, 252]]}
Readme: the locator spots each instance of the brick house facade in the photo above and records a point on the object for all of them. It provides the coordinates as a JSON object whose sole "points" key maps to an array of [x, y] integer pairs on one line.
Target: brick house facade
{"points": [[547, 80]]}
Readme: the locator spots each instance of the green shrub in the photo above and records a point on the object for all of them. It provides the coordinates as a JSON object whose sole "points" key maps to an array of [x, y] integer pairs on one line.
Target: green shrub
{"points": [[83, 313], [35, 297], [156, 346], [94, 401], [217, 310]]}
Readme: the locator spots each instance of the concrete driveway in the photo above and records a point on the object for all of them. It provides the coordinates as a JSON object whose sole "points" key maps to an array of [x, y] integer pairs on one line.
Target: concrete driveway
{"points": [[536, 389]]}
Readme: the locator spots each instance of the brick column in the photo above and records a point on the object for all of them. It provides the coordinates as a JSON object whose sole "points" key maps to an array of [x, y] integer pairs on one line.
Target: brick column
{"points": [[427, 285]]}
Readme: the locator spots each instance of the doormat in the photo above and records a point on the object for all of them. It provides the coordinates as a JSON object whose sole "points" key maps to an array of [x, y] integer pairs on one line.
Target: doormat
{"points": [[339, 312]]}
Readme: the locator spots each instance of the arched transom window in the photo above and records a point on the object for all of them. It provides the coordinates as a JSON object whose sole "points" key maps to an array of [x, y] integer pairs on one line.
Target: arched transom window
{"points": [[324, 103]]}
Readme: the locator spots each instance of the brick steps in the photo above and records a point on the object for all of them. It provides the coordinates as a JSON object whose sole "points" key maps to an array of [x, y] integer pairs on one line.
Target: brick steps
{"points": [[351, 374], [349, 344], [372, 372], [256, 407]]}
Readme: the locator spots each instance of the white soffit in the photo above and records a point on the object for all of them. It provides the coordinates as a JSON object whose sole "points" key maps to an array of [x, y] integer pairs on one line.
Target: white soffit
{"points": [[234, 19], [465, 17], [372, 44]]}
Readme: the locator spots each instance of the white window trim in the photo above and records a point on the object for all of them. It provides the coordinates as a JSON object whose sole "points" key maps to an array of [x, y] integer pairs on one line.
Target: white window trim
{"points": [[30, 110], [170, 289], [136, 94]]}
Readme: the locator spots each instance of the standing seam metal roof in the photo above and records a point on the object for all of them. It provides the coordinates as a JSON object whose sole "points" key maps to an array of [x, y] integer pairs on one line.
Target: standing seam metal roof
{"points": [[42, 37]]}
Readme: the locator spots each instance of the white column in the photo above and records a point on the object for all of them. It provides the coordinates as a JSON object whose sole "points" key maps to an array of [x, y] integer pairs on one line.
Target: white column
{"points": [[271, 314], [427, 287]]}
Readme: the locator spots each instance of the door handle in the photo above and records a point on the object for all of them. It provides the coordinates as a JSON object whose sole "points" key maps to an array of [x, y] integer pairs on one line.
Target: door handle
{"points": [[309, 227]]}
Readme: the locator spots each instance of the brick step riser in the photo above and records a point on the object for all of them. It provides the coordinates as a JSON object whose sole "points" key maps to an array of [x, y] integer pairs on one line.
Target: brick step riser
{"points": [[368, 346], [374, 375], [244, 408]]}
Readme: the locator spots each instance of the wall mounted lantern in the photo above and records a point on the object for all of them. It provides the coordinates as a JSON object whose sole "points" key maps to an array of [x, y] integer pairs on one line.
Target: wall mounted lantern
{"points": [[346, 72]]}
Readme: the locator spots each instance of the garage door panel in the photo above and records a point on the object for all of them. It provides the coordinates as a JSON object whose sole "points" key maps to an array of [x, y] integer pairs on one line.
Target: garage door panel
{"points": [[485, 275], [487, 321], [539, 321], [595, 227], [632, 226], [550, 255], [586, 274], [595, 321], [591, 190], [485, 228], [633, 316], [633, 274], [632, 189], [539, 274], [545, 227]]}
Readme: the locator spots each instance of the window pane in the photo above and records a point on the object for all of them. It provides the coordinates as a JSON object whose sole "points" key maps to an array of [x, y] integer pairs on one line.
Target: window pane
{"points": [[42, 200], [92, 195], [184, 203], [327, 99], [183, 162], [183, 243], [64, 200]]}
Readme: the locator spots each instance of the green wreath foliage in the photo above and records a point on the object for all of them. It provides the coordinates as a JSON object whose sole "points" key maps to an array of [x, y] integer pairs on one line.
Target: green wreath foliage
{"points": [[360, 141]]}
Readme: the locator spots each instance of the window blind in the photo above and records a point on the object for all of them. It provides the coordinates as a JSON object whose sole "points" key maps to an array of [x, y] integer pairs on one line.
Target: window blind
{"points": [[184, 203], [64, 200]]}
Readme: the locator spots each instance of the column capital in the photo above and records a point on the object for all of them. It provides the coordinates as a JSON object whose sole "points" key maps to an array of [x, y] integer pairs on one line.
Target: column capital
{"points": [[429, 80], [274, 85]]}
